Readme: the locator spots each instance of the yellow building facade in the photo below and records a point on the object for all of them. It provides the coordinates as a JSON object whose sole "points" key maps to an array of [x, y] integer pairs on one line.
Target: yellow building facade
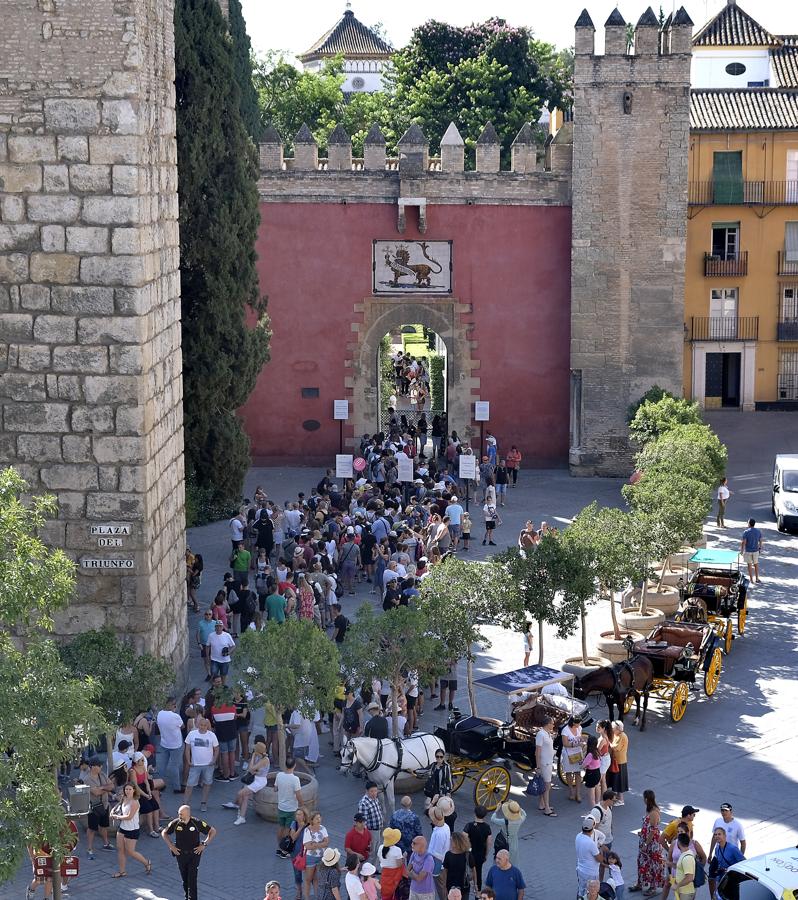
{"points": [[741, 289]]}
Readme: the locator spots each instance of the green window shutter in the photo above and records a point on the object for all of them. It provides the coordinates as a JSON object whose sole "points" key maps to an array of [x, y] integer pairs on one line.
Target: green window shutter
{"points": [[727, 177], [791, 241]]}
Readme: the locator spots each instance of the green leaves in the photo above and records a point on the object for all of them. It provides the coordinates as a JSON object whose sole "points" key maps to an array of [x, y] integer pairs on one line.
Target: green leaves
{"points": [[128, 682], [292, 665], [653, 418]]}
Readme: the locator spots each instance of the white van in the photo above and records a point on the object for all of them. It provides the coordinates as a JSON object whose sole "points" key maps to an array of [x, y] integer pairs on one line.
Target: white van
{"points": [[785, 490], [772, 876]]}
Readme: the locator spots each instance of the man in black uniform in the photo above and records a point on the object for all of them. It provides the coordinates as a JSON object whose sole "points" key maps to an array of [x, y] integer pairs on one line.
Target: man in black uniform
{"points": [[188, 846]]}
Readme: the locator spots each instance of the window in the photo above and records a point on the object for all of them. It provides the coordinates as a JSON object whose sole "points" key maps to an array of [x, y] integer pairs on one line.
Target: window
{"points": [[735, 68], [765, 83], [723, 314], [791, 242], [727, 176], [789, 304], [309, 393], [725, 239], [792, 176], [788, 375]]}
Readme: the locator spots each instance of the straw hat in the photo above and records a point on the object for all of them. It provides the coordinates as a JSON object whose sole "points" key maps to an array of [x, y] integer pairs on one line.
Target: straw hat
{"points": [[391, 836], [331, 856], [367, 869], [511, 810], [445, 805]]}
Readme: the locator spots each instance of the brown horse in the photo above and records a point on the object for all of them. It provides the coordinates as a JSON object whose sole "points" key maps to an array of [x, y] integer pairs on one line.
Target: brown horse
{"points": [[633, 677]]}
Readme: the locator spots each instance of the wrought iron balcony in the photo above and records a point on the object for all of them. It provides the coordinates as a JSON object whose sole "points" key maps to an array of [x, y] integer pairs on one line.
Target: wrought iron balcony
{"points": [[718, 266], [742, 193], [787, 266], [787, 331], [724, 328]]}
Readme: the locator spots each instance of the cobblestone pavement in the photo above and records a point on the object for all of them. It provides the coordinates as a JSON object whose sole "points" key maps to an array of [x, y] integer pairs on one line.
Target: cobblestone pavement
{"points": [[738, 746]]}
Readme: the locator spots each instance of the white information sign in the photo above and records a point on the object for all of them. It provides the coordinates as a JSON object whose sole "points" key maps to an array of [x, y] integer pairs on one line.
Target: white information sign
{"points": [[341, 409], [106, 529], [343, 465], [405, 466], [482, 411], [468, 467], [113, 564], [109, 542]]}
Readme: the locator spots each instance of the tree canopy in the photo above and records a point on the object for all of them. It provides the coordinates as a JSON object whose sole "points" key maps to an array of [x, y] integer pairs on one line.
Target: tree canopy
{"points": [[222, 354], [653, 418], [242, 69]]}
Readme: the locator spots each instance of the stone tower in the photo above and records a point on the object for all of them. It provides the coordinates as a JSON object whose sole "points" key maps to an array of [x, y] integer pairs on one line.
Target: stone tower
{"points": [[630, 134], [90, 364]]}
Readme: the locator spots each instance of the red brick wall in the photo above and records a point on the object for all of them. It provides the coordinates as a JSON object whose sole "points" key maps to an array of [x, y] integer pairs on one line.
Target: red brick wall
{"points": [[512, 263]]}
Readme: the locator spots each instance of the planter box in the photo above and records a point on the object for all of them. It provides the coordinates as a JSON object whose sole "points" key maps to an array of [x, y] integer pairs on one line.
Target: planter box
{"points": [[575, 666], [679, 560], [614, 650], [631, 619], [265, 801], [666, 599]]}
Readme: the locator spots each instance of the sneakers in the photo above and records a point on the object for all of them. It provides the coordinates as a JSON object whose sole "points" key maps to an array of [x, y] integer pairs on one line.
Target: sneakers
{"points": [[229, 805], [155, 834], [220, 777], [29, 893], [240, 821], [439, 707], [281, 853], [90, 854], [204, 807], [109, 847]]}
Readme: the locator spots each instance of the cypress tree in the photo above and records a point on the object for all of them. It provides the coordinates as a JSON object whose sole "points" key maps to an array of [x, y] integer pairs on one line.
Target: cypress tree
{"points": [[242, 68], [219, 220]]}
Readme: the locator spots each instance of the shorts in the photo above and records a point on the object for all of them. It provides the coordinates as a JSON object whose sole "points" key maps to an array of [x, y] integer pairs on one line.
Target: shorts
{"points": [[204, 650], [501, 489], [546, 772], [490, 525], [411, 701], [220, 668], [199, 775], [131, 834], [752, 557], [96, 821], [311, 861], [466, 535], [271, 729], [450, 683], [454, 531], [262, 602], [300, 752], [244, 726], [228, 746], [285, 818]]}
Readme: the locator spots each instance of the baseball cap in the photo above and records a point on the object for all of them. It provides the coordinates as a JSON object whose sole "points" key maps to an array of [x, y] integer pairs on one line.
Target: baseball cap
{"points": [[725, 807], [588, 823], [689, 811]]}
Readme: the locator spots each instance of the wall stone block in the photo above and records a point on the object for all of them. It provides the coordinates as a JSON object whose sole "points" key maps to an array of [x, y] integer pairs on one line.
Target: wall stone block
{"points": [[33, 358], [53, 238], [111, 210], [110, 389], [46, 448], [70, 477], [37, 418], [56, 268], [83, 300], [19, 237], [103, 331], [90, 178], [15, 326], [72, 149], [56, 179], [22, 387], [87, 239], [113, 149], [12, 209], [46, 208], [13, 268], [98, 419], [80, 359], [30, 148], [20, 179], [71, 116]]}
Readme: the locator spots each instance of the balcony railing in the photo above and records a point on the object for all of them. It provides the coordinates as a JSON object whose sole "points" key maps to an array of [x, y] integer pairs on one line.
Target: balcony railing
{"points": [[724, 328], [787, 331], [717, 266], [787, 266], [746, 193]]}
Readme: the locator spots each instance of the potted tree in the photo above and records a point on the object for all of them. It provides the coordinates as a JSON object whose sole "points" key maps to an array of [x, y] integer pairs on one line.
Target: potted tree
{"points": [[292, 665]]}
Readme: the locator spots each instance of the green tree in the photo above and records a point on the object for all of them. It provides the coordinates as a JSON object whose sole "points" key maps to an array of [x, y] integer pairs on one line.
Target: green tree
{"points": [[292, 665], [537, 577], [652, 395], [242, 69], [459, 598], [390, 645], [579, 583], [653, 419], [130, 682], [47, 715], [693, 450], [219, 220]]}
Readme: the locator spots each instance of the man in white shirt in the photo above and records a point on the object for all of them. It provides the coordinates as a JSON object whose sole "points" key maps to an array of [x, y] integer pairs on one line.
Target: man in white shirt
{"points": [[723, 498], [221, 645], [354, 886], [170, 726], [289, 799], [293, 519], [544, 762], [390, 574], [237, 526], [588, 855], [306, 739], [201, 753], [123, 756], [735, 833]]}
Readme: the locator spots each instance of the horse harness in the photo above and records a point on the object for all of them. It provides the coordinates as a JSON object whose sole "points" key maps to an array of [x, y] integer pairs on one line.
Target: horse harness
{"points": [[378, 760], [616, 674]]}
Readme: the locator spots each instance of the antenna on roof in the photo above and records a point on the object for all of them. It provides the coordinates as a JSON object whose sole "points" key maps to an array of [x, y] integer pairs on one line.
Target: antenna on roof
{"points": [[348, 4]]}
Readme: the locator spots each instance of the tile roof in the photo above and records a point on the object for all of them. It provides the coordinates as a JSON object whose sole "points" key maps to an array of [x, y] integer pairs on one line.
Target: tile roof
{"points": [[755, 109], [349, 37], [785, 62], [733, 27]]}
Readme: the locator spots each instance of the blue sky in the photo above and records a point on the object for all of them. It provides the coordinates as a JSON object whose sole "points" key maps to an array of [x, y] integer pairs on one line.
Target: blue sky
{"points": [[293, 28]]}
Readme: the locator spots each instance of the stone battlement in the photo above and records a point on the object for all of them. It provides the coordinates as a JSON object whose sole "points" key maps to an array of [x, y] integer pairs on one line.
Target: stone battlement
{"points": [[534, 176]]}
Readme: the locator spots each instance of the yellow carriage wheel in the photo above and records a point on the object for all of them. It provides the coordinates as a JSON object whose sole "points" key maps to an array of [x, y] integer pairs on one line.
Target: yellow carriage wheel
{"points": [[742, 615], [728, 637], [679, 701], [458, 776], [712, 674], [492, 787]]}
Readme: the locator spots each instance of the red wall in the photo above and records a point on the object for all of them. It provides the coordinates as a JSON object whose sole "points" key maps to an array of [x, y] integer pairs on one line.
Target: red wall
{"points": [[512, 263]]}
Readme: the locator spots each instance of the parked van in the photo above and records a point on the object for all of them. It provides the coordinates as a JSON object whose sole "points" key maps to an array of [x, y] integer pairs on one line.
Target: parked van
{"points": [[785, 490], [772, 876]]}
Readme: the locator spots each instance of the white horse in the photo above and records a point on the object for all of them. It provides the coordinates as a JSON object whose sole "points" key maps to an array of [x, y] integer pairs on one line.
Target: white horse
{"points": [[382, 760]]}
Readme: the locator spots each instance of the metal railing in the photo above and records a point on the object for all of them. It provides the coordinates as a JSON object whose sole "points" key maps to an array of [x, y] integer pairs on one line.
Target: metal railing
{"points": [[787, 266], [718, 266], [724, 328], [746, 193], [787, 330]]}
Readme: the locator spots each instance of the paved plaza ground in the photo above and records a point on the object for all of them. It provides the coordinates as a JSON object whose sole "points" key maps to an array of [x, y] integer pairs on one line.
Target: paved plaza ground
{"points": [[739, 746]]}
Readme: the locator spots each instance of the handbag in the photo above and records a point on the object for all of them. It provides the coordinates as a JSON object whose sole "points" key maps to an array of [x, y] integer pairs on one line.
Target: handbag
{"points": [[574, 757], [501, 842], [402, 889], [300, 861], [247, 778], [700, 876], [536, 786]]}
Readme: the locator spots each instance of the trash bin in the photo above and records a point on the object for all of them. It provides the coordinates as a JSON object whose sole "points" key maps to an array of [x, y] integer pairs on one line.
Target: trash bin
{"points": [[79, 799]]}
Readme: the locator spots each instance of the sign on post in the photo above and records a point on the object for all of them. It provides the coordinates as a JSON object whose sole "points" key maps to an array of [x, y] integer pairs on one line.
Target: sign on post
{"points": [[341, 409], [343, 465], [405, 466], [482, 410], [468, 467]]}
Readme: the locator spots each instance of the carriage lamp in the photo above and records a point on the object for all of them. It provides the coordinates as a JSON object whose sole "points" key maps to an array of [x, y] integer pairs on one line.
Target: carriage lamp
{"points": [[689, 651]]}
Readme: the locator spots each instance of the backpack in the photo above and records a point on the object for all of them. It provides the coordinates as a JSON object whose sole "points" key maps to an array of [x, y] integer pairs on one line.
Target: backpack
{"points": [[251, 602]]}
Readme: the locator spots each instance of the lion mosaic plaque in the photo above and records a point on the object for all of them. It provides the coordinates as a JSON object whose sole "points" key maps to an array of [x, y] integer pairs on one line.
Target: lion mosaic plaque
{"points": [[412, 267]]}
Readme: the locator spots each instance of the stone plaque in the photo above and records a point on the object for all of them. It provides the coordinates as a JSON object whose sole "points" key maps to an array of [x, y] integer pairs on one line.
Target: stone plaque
{"points": [[107, 564], [412, 267], [108, 529]]}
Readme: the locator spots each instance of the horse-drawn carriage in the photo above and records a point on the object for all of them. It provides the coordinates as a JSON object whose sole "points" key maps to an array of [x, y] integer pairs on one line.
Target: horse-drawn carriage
{"points": [[715, 593], [483, 749], [678, 652]]}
